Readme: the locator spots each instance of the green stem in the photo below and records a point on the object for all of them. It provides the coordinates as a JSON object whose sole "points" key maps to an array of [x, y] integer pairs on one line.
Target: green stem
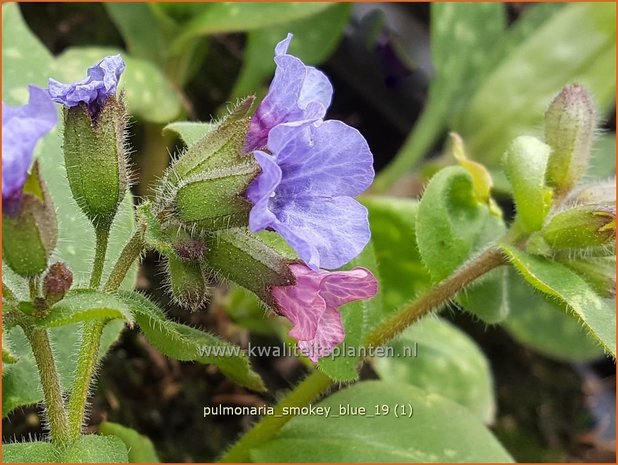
{"points": [[426, 130], [92, 331], [102, 239], [304, 393], [34, 288], [50, 381], [129, 254], [436, 297], [86, 364], [316, 383]]}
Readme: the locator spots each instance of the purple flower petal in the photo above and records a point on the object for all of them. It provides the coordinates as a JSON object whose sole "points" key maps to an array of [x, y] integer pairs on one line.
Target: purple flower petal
{"points": [[22, 127], [312, 304], [308, 200], [101, 82], [297, 93]]}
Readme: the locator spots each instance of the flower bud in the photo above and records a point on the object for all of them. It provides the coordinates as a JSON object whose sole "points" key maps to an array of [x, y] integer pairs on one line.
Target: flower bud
{"points": [[241, 257], [582, 227], [603, 193], [570, 122], [187, 282], [206, 186], [57, 282], [30, 230], [216, 199], [95, 159]]}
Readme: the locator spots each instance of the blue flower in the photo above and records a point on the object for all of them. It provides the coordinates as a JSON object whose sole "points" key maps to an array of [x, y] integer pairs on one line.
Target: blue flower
{"points": [[94, 90], [297, 93], [306, 188], [22, 127]]}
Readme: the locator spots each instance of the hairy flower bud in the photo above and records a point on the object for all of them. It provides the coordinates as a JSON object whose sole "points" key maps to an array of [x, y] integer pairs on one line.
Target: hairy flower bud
{"points": [[95, 159], [57, 282], [243, 258], [187, 282], [582, 227], [603, 193], [30, 233], [206, 186], [570, 122]]}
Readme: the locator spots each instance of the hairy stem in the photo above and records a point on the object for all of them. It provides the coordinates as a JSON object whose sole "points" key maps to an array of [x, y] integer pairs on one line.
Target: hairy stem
{"points": [[316, 383], [129, 254], [436, 297], [102, 239], [304, 393], [86, 364], [34, 288], [50, 381]]}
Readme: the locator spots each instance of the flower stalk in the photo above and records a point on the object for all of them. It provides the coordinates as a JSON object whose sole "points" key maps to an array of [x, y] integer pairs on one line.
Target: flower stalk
{"points": [[50, 381]]}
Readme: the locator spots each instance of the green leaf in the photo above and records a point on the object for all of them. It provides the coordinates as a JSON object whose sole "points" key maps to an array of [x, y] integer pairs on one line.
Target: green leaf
{"points": [[83, 305], [461, 36], [451, 227], [139, 446], [143, 31], [358, 319], [189, 131], [29, 452], [537, 322], [87, 449], [438, 357], [474, 28], [27, 61], [525, 164], [439, 430], [149, 94], [187, 344], [96, 449], [596, 315], [315, 38], [236, 17], [577, 44]]}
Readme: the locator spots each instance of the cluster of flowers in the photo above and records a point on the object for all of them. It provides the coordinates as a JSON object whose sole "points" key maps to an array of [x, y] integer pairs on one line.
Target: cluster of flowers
{"points": [[311, 169]]}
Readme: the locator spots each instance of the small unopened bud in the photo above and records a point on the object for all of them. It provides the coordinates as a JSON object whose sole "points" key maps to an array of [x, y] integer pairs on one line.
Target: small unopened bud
{"points": [[57, 282], [30, 230], [95, 159], [583, 227], [187, 283], [603, 193], [206, 186], [570, 123]]}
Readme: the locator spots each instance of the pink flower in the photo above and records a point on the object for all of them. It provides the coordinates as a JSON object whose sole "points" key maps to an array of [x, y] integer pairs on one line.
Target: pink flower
{"points": [[312, 305]]}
